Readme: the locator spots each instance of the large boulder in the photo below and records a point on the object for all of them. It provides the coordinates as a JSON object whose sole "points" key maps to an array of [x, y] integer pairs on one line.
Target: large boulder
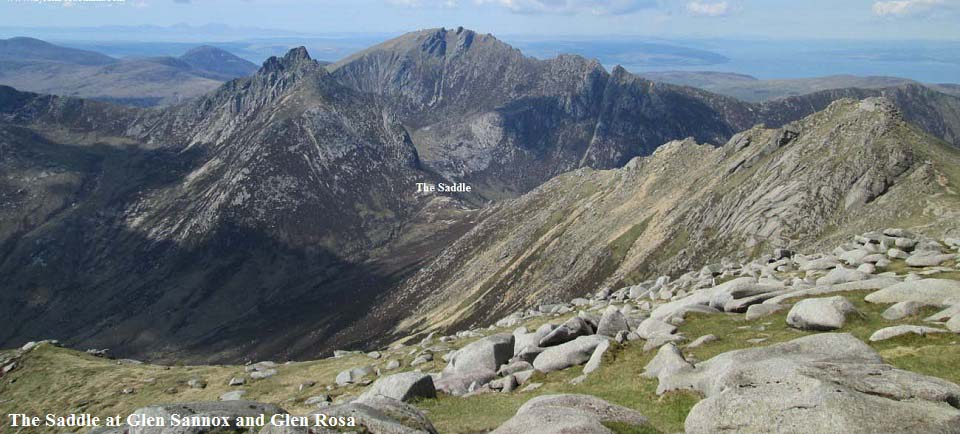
{"points": [[902, 310], [230, 410], [580, 414], [568, 331], [823, 383], [652, 327], [702, 297], [460, 384], [612, 322], [841, 275], [596, 358], [404, 386], [824, 263], [522, 340], [724, 294], [486, 354], [828, 313], [929, 259], [573, 353], [869, 284], [940, 292], [374, 415], [665, 366]]}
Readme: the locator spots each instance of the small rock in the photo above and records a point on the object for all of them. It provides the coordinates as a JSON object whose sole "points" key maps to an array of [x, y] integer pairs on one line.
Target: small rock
{"points": [[757, 311], [702, 340], [237, 381], [897, 254], [892, 332], [354, 375], [235, 395], [314, 400], [196, 383], [266, 373], [531, 387]]}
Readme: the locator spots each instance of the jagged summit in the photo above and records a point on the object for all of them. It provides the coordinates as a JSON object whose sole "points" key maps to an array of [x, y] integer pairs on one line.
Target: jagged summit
{"points": [[295, 58], [436, 42]]}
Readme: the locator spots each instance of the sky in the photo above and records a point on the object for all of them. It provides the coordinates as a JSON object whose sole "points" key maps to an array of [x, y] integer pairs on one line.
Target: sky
{"points": [[754, 19]]}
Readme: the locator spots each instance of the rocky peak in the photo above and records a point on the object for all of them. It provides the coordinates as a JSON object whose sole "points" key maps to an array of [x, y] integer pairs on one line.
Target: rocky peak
{"points": [[296, 58], [446, 42]]}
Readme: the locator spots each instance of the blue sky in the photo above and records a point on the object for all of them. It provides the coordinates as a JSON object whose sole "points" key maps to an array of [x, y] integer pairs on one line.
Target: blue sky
{"points": [[767, 19]]}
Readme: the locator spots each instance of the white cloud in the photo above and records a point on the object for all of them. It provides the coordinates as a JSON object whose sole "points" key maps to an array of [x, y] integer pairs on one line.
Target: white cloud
{"points": [[595, 7], [708, 9], [899, 8]]}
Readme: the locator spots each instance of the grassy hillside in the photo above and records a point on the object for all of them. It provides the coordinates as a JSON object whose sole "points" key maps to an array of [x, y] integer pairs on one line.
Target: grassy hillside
{"points": [[58, 380]]}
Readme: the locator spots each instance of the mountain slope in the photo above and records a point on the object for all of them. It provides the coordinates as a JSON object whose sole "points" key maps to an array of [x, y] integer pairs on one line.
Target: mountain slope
{"points": [[218, 63], [853, 167], [282, 205], [38, 66], [29, 49], [481, 112], [751, 89]]}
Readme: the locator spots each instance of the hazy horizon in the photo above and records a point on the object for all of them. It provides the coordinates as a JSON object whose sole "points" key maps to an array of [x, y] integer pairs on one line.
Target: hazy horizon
{"points": [[772, 39]]}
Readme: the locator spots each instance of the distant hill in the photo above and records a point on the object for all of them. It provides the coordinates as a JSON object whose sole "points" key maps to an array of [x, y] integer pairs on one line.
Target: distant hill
{"points": [[751, 89], [29, 49], [38, 66], [217, 61]]}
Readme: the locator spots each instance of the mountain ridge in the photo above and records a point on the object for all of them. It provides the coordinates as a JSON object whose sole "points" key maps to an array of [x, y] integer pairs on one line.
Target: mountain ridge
{"points": [[544, 117], [854, 165], [225, 216], [33, 65]]}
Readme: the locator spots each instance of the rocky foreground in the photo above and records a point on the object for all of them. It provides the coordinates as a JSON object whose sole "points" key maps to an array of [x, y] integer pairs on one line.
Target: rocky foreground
{"points": [[822, 327]]}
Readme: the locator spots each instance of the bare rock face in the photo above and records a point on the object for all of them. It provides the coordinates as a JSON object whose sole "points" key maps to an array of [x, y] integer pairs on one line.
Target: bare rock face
{"points": [[818, 383]]}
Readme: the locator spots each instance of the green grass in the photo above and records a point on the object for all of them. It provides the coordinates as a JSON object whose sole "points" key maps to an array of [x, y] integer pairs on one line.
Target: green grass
{"points": [[622, 428], [61, 380]]}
